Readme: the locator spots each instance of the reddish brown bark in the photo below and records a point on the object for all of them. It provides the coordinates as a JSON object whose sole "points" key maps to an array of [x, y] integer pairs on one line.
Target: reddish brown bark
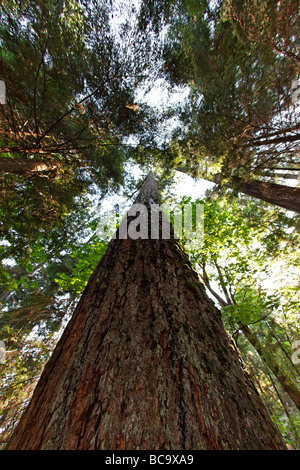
{"points": [[278, 194], [145, 363]]}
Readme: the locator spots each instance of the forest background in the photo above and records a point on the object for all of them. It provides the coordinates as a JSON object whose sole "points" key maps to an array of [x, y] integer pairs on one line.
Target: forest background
{"points": [[203, 93]]}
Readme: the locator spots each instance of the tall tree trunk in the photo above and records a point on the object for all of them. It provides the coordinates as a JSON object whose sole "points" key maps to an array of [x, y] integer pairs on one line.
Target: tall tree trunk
{"points": [[269, 359], [145, 363], [23, 166], [277, 194]]}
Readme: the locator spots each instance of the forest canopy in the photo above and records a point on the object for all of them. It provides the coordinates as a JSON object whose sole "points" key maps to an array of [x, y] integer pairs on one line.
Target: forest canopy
{"points": [[84, 122]]}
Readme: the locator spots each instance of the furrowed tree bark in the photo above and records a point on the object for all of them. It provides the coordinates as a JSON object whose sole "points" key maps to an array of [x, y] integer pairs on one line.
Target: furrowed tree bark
{"points": [[145, 363]]}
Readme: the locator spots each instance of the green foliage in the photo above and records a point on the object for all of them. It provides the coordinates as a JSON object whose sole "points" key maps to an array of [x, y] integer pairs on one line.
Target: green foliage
{"points": [[71, 88], [252, 305], [287, 427], [43, 293], [243, 243], [87, 258], [25, 359], [239, 61], [272, 25]]}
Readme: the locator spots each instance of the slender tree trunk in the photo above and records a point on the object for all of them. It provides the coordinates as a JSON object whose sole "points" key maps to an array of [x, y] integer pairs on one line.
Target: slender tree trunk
{"points": [[145, 363], [290, 388], [14, 165], [285, 407]]}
